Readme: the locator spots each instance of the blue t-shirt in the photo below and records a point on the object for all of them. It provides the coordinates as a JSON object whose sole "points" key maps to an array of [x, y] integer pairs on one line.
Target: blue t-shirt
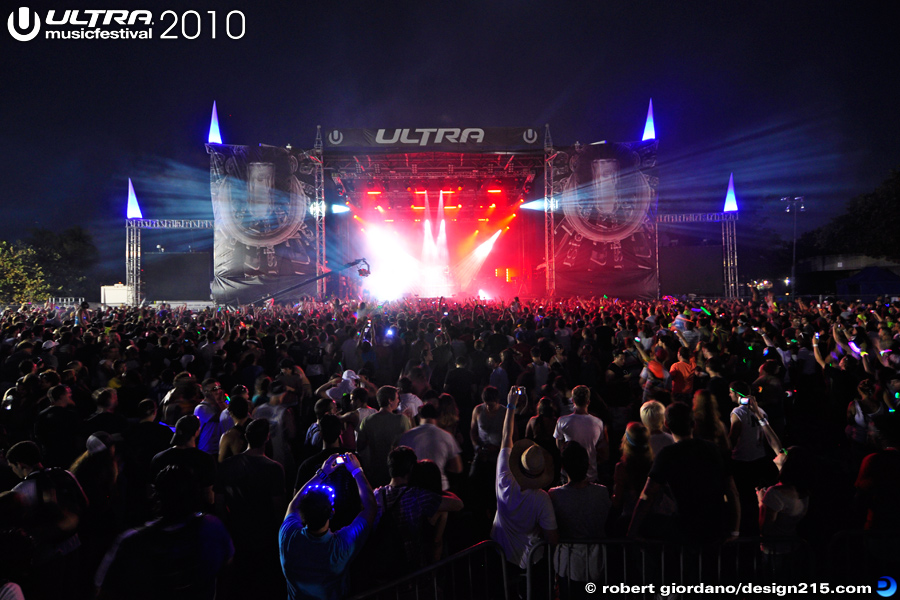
{"points": [[316, 567]]}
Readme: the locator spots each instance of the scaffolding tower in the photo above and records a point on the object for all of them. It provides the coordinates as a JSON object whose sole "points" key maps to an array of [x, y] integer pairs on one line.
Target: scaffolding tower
{"points": [[729, 242], [133, 229], [319, 213], [549, 221]]}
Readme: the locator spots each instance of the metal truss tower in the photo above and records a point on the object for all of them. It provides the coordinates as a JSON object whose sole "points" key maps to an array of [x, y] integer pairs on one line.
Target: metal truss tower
{"points": [[133, 247], [729, 242], [133, 261], [549, 205], [319, 213]]}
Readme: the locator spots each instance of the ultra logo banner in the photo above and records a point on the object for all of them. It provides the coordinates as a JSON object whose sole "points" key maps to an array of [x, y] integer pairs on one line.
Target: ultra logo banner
{"points": [[456, 138]]}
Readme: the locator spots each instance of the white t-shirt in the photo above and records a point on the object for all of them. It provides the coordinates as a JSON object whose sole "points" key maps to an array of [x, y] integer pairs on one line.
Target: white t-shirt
{"points": [[587, 430], [431, 442], [410, 403], [751, 445], [521, 515], [790, 508]]}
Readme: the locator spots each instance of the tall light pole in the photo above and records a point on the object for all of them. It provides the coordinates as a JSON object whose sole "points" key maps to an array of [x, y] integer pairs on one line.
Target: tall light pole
{"points": [[794, 205]]}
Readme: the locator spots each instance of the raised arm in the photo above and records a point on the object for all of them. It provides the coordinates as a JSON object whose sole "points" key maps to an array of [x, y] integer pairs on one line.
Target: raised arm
{"points": [[508, 419], [640, 348], [771, 436], [366, 495], [818, 353]]}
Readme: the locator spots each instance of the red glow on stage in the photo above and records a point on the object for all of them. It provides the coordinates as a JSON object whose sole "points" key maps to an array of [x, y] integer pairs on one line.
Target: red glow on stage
{"points": [[373, 193], [495, 191]]}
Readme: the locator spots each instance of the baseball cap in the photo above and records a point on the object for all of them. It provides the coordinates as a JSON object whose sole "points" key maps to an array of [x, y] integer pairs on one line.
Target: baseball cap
{"points": [[185, 429], [100, 441]]}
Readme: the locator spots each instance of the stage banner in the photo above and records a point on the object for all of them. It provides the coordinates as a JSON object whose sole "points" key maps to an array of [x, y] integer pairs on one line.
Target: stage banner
{"points": [[444, 138], [264, 232], [605, 220]]}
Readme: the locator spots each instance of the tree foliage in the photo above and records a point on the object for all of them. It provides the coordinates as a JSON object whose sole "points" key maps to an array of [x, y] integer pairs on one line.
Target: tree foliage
{"points": [[21, 277], [870, 225], [66, 259]]}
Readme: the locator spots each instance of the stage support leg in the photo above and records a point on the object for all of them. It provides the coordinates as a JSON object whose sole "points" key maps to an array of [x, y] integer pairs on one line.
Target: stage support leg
{"points": [[321, 288], [549, 224]]}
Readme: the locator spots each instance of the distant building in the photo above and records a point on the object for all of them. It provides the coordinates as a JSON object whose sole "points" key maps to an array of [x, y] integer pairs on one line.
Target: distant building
{"points": [[848, 276]]}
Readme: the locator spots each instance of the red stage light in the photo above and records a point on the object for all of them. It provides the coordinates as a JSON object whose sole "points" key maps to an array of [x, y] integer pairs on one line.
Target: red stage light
{"points": [[374, 193], [495, 191], [493, 206], [514, 214]]}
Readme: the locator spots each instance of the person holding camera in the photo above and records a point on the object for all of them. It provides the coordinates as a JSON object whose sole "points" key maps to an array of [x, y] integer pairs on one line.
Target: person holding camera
{"points": [[525, 514], [314, 558], [748, 439]]}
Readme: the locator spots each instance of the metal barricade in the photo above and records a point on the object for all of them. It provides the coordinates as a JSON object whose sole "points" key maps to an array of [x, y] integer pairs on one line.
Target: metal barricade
{"points": [[577, 569], [476, 573], [855, 556]]}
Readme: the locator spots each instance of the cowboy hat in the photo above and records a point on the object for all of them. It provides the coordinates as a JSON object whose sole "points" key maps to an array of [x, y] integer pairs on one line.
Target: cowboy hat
{"points": [[531, 465]]}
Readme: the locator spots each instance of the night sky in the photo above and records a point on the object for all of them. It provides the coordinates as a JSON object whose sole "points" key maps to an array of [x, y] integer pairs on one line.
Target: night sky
{"points": [[795, 98]]}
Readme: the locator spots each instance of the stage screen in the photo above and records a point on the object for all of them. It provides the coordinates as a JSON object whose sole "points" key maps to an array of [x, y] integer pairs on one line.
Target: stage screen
{"points": [[605, 220], [172, 276], [264, 232], [687, 270]]}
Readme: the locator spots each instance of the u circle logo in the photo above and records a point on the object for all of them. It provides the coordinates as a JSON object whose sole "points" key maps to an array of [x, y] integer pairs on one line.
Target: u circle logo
{"points": [[23, 22], [335, 137], [530, 136]]}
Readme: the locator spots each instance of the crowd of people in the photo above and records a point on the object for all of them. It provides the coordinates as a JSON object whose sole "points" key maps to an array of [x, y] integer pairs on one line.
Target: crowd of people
{"points": [[324, 448]]}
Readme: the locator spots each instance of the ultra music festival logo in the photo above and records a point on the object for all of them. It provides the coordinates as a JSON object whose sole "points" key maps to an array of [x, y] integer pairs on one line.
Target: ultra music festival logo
{"points": [[26, 25]]}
